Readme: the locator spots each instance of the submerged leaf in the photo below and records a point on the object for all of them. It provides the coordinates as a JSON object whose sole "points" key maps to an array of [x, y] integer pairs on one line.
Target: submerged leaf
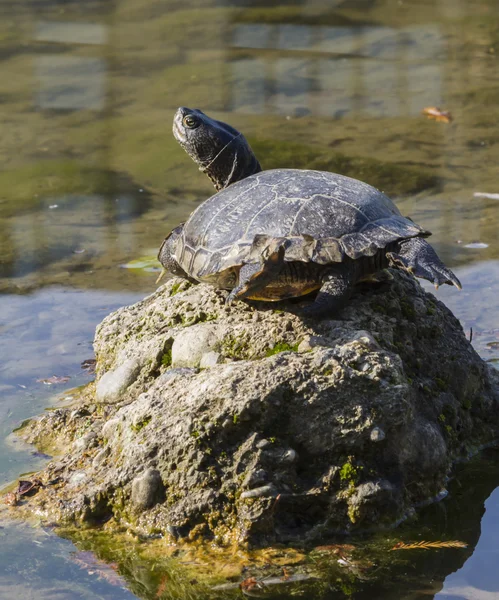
{"points": [[26, 486], [95, 566], [335, 548], [427, 545], [148, 264], [435, 113]]}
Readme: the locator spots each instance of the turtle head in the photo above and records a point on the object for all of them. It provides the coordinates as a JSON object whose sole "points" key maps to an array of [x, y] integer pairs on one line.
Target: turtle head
{"points": [[166, 254], [221, 151]]}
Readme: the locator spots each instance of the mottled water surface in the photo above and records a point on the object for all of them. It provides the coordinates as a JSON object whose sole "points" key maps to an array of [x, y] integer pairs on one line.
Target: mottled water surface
{"points": [[92, 180]]}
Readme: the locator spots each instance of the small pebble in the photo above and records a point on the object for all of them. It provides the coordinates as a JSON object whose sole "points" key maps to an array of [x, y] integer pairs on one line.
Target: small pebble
{"points": [[262, 444], [289, 456], [265, 490], [377, 435], [255, 478], [147, 489]]}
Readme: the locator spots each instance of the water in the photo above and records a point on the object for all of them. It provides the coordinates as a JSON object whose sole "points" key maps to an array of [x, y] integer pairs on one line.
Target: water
{"points": [[92, 180]]}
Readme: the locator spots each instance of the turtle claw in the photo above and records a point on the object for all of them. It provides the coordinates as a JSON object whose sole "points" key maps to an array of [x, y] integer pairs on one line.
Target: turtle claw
{"points": [[417, 257], [230, 298]]}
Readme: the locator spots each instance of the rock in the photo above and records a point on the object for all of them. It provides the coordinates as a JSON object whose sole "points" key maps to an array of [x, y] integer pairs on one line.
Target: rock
{"points": [[265, 490], [113, 384], [310, 342], [255, 478], [208, 360], [377, 434], [100, 457], [193, 344], [87, 441], [147, 489], [299, 428]]}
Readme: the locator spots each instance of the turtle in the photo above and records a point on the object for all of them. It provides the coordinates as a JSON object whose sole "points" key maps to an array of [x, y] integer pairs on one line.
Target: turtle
{"points": [[284, 233]]}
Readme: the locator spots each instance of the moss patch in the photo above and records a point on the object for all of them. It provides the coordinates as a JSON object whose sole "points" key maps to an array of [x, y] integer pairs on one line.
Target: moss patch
{"points": [[281, 347]]}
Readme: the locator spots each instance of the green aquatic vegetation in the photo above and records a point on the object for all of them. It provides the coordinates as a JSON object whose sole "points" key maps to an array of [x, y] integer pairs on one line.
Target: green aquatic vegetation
{"points": [[144, 264]]}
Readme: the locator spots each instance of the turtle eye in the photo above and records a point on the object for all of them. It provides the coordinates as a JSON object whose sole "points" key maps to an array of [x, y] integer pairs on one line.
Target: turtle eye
{"points": [[191, 121]]}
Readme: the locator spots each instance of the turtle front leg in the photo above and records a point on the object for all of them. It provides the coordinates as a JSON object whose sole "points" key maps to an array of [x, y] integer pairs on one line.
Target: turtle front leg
{"points": [[254, 277], [336, 289], [417, 257]]}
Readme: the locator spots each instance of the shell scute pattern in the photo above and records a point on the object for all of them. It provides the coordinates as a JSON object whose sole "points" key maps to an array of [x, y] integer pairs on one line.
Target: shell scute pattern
{"points": [[321, 217]]}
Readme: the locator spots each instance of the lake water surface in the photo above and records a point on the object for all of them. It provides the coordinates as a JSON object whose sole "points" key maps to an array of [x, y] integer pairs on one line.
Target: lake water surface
{"points": [[92, 180]]}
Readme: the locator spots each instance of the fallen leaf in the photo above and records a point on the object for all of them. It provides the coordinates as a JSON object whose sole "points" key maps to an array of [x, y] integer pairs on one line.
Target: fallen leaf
{"points": [[162, 586], [95, 566], [11, 499], [26, 486], [250, 584], [427, 545], [54, 379], [146, 264], [433, 112], [335, 548]]}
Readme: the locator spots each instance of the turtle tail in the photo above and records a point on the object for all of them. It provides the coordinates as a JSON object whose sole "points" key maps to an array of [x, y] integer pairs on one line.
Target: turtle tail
{"points": [[417, 257]]}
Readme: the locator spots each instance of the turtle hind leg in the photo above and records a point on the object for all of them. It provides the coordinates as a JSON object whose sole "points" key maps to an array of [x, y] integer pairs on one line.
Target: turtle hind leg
{"points": [[417, 257], [336, 289]]}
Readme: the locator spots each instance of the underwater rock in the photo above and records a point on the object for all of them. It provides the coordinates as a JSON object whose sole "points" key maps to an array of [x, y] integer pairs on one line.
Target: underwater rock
{"points": [[300, 428]]}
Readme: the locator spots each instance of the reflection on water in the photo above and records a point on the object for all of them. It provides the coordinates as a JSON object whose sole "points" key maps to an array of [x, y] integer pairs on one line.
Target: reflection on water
{"points": [[398, 79], [93, 86], [92, 178]]}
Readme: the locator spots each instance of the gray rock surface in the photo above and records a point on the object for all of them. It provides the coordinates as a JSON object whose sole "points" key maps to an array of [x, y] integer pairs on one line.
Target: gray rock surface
{"points": [[113, 384], [299, 428], [147, 489]]}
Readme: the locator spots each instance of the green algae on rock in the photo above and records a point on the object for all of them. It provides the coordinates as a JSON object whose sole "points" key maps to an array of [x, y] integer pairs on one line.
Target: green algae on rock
{"points": [[307, 429]]}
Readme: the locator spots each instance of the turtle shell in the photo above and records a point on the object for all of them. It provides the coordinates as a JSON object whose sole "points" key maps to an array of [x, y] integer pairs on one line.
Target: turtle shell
{"points": [[320, 217]]}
